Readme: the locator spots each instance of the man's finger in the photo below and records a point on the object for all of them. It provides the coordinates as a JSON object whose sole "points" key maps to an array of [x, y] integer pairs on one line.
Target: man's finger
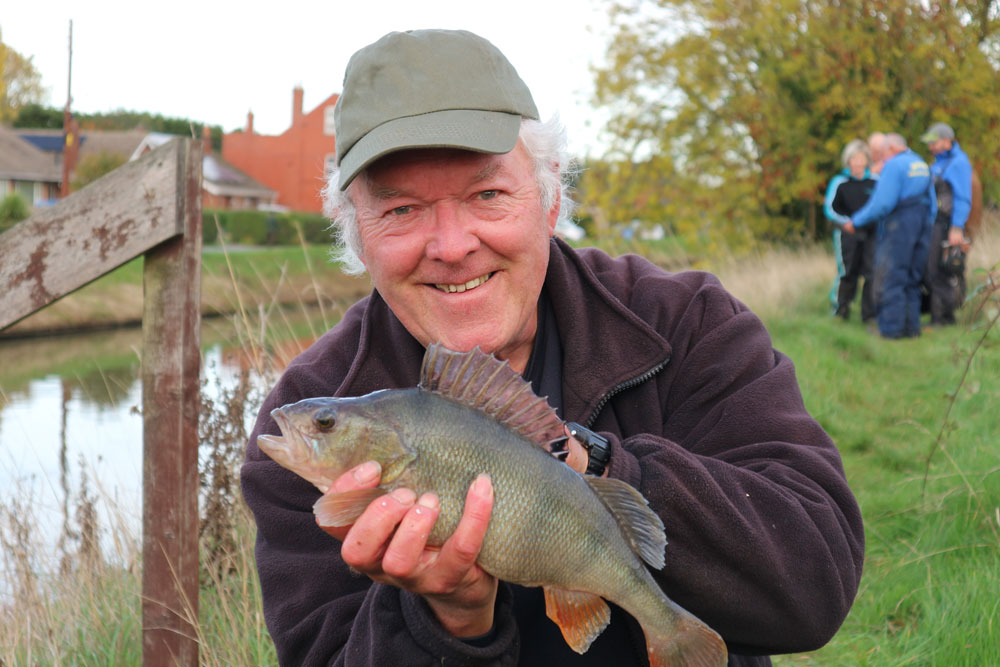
{"points": [[364, 476], [462, 548], [404, 552], [365, 542]]}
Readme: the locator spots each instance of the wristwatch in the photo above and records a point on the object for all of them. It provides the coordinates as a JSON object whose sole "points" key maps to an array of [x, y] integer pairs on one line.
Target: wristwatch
{"points": [[597, 446]]}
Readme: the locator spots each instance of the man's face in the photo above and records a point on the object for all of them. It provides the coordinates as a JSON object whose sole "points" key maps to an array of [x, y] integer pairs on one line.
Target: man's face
{"points": [[457, 244], [939, 146]]}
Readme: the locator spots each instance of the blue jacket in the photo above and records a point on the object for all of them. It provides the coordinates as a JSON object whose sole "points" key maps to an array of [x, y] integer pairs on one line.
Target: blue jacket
{"points": [[954, 168], [904, 175]]}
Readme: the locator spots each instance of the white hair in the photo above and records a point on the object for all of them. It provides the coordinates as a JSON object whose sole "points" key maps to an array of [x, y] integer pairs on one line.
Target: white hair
{"points": [[852, 148], [895, 141], [545, 143]]}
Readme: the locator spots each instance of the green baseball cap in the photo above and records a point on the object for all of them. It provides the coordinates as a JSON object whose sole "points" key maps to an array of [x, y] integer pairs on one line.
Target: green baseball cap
{"points": [[427, 89], [938, 131]]}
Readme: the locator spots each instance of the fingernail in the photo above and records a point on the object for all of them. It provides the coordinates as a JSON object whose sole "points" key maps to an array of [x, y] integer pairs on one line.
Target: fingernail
{"points": [[367, 472], [429, 500], [404, 496], [483, 485]]}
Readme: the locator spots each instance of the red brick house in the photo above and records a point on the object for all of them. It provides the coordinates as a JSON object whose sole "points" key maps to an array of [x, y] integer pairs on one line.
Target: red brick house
{"points": [[293, 163]]}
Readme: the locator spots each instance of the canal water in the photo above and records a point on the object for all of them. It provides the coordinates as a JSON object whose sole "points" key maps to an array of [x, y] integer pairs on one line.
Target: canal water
{"points": [[71, 430]]}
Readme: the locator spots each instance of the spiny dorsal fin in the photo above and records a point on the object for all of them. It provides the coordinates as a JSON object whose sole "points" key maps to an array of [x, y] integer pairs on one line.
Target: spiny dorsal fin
{"points": [[642, 528], [483, 382]]}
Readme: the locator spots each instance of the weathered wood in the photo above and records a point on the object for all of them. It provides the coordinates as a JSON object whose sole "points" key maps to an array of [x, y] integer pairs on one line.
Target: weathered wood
{"points": [[97, 229], [170, 396]]}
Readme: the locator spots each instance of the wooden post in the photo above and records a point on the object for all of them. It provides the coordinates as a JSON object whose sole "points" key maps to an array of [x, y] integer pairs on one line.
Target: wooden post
{"points": [[152, 206], [170, 399]]}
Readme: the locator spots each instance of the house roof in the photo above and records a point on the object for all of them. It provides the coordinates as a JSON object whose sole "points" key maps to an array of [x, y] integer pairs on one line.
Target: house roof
{"points": [[22, 161], [114, 142], [218, 176]]}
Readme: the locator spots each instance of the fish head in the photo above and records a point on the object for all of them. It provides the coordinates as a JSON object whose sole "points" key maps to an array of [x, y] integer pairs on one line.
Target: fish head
{"points": [[322, 438]]}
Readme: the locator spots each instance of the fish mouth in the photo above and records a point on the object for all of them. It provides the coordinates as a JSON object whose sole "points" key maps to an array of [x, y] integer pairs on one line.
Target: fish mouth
{"points": [[464, 287], [290, 449]]}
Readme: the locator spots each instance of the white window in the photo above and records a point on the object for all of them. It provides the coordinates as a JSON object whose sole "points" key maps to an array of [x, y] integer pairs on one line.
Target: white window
{"points": [[328, 123]]}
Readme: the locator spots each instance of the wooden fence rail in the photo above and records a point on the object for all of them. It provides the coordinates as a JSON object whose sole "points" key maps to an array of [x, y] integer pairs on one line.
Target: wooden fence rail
{"points": [[151, 206]]}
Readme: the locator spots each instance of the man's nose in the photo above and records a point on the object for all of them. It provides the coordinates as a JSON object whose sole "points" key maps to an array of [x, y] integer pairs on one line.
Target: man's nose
{"points": [[452, 236]]}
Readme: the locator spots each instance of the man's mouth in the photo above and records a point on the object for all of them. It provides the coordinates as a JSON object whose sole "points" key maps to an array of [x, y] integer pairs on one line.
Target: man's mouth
{"points": [[472, 284]]}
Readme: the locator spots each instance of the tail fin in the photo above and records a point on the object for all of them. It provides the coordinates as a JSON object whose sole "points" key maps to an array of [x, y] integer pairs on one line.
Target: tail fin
{"points": [[691, 643]]}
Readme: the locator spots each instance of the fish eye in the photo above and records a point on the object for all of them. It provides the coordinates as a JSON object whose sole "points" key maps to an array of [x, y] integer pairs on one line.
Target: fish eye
{"points": [[325, 420]]}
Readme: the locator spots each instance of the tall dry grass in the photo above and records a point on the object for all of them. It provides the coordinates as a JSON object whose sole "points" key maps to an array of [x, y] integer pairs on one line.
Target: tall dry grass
{"points": [[83, 608]]}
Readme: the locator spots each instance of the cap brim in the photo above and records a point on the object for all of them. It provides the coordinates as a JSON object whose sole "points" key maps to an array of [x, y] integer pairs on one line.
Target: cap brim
{"points": [[468, 129], [929, 137]]}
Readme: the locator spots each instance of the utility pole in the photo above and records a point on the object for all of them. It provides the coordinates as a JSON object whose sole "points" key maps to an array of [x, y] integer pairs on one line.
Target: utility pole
{"points": [[70, 139]]}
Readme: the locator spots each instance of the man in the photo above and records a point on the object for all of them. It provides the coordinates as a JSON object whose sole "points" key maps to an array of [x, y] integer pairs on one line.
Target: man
{"points": [[952, 173], [904, 197], [877, 150], [447, 192]]}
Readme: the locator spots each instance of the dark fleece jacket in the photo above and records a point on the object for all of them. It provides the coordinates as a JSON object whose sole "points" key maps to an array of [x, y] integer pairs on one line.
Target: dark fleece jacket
{"points": [[705, 418]]}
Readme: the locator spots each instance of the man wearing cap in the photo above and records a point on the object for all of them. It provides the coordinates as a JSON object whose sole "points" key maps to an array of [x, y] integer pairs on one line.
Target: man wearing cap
{"points": [[447, 192], [904, 198], [952, 173]]}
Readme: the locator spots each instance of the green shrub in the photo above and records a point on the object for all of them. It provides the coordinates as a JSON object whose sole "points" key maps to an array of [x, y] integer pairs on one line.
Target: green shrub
{"points": [[264, 227], [13, 209]]}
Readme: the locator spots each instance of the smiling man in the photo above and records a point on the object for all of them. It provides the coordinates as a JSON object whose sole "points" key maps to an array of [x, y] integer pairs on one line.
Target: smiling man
{"points": [[447, 192]]}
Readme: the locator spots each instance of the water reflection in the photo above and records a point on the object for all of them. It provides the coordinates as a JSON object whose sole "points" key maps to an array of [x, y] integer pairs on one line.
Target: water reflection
{"points": [[70, 425]]}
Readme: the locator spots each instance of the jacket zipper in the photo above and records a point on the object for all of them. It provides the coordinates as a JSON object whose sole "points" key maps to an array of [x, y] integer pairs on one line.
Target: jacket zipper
{"points": [[627, 384]]}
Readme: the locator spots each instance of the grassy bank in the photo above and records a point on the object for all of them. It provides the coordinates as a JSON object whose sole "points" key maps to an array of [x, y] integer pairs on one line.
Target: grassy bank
{"points": [[914, 420], [297, 275]]}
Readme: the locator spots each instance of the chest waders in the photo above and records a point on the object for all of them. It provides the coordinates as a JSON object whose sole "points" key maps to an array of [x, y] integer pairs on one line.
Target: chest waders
{"points": [[900, 260]]}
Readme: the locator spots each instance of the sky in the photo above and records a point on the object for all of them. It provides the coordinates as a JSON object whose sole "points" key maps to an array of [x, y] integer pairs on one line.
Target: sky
{"points": [[213, 61]]}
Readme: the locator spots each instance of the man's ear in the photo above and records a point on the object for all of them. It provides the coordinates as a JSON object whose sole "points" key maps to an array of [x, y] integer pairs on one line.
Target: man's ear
{"points": [[553, 212]]}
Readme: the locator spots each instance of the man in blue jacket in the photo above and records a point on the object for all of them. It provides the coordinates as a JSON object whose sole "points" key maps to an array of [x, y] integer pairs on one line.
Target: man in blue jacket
{"points": [[904, 197], [952, 173]]}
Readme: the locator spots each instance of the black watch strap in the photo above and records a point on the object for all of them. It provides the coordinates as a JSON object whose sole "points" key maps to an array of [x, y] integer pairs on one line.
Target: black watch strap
{"points": [[597, 446]]}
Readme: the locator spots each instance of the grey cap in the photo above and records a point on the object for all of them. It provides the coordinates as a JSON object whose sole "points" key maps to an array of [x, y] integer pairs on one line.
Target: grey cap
{"points": [[427, 89], [938, 131]]}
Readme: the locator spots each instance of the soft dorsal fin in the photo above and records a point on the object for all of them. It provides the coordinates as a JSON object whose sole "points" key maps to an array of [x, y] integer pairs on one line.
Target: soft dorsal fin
{"points": [[483, 382], [642, 528]]}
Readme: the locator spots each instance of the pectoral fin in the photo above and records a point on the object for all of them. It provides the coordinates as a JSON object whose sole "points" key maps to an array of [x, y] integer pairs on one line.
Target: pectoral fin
{"points": [[580, 616], [342, 509]]}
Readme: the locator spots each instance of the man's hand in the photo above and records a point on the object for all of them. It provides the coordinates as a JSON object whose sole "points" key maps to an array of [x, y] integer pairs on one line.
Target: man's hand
{"points": [[849, 226], [956, 237], [388, 543]]}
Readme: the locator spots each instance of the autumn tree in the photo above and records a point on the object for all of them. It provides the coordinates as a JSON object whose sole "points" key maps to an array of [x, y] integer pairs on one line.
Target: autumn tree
{"points": [[20, 82], [746, 105]]}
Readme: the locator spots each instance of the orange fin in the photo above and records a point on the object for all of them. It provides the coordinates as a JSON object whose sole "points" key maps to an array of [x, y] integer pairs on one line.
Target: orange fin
{"points": [[483, 382], [343, 509], [580, 616], [691, 643]]}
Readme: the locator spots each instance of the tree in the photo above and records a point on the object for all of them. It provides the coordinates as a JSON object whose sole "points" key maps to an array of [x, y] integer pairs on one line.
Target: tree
{"points": [[20, 82], [92, 167], [753, 101]]}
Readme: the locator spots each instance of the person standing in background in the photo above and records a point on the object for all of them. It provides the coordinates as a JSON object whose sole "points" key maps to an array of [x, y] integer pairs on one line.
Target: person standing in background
{"points": [[904, 197], [847, 192], [952, 173]]}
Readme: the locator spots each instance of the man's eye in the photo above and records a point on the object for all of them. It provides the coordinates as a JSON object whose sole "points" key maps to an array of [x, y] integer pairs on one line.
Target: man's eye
{"points": [[488, 194], [401, 210]]}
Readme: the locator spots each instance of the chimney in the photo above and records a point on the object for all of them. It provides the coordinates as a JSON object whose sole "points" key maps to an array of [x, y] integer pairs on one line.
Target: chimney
{"points": [[249, 128], [206, 140], [296, 105]]}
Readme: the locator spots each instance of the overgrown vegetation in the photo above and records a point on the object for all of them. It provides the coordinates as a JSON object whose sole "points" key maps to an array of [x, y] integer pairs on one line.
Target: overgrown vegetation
{"points": [[895, 408], [734, 113], [13, 209]]}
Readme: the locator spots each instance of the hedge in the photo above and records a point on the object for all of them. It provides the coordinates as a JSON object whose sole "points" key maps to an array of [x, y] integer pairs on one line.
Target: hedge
{"points": [[264, 227]]}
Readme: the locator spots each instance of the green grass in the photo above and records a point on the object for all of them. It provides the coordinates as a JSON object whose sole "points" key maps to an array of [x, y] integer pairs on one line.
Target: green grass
{"points": [[929, 593]]}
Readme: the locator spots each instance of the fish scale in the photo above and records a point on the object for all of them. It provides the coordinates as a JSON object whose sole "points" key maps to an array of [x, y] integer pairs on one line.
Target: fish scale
{"points": [[583, 539]]}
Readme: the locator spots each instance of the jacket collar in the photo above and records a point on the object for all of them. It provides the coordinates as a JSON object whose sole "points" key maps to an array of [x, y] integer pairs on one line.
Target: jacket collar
{"points": [[590, 319]]}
